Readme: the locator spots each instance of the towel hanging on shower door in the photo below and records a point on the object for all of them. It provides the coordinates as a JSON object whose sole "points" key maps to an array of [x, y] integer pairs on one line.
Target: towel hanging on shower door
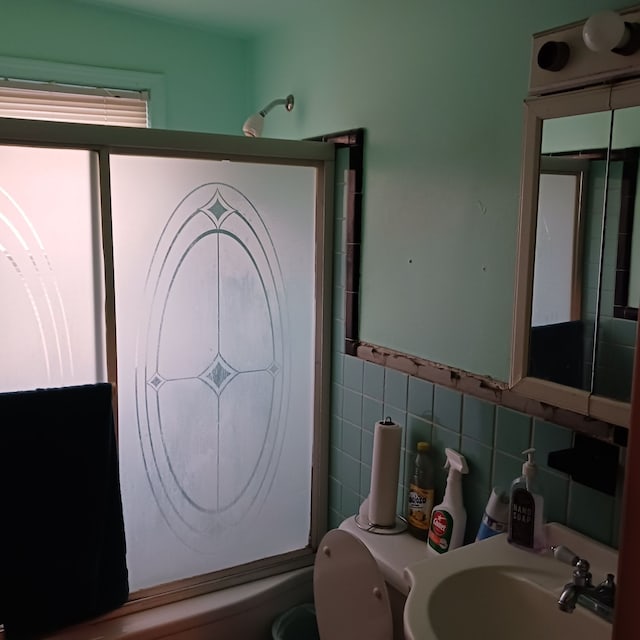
{"points": [[62, 545]]}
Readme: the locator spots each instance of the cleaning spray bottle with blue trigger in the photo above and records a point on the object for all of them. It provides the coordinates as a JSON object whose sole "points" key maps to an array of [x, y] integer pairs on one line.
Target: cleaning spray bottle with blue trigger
{"points": [[449, 518]]}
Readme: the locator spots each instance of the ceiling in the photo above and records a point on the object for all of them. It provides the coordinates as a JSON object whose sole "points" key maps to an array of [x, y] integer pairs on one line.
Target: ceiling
{"points": [[242, 17]]}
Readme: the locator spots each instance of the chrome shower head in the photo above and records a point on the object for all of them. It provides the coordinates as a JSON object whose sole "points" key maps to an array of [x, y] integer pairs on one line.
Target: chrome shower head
{"points": [[254, 124]]}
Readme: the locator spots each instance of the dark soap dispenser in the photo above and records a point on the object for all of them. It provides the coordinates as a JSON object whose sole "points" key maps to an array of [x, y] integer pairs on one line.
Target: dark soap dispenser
{"points": [[526, 505]]}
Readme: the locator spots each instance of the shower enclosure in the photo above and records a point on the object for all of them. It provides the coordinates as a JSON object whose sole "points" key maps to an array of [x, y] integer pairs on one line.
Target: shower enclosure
{"points": [[189, 270]]}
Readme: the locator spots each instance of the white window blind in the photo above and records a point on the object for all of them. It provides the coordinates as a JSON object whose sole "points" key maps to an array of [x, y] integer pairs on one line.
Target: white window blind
{"points": [[66, 103]]}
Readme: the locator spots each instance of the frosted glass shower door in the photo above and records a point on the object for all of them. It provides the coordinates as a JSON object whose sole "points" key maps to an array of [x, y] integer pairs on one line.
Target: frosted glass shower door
{"points": [[214, 283], [51, 278]]}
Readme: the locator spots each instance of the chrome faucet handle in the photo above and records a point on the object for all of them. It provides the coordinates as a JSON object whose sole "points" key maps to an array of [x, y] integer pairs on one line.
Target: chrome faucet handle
{"points": [[606, 590], [608, 583], [564, 554], [581, 574]]}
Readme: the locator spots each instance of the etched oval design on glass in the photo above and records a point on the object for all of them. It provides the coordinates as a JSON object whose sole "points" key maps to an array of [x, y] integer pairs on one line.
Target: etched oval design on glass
{"points": [[212, 365]]}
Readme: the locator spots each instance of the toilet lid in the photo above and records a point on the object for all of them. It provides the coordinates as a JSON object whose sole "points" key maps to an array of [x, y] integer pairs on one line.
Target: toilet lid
{"points": [[350, 594]]}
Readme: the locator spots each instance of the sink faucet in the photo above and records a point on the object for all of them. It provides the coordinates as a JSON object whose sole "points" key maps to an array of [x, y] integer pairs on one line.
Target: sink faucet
{"points": [[600, 599]]}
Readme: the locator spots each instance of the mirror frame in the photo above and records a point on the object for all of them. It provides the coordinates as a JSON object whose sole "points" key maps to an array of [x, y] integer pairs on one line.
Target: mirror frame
{"points": [[538, 109]]}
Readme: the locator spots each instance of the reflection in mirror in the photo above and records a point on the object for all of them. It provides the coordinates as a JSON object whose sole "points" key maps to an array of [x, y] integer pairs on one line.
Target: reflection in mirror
{"points": [[587, 258], [618, 307], [571, 199]]}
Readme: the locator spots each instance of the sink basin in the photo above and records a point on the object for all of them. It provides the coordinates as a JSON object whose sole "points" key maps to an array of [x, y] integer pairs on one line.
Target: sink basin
{"points": [[491, 589], [501, 601]]}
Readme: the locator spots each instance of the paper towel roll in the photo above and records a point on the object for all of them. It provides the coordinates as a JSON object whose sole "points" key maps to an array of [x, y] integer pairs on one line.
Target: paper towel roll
{"points": [[387, 440]]}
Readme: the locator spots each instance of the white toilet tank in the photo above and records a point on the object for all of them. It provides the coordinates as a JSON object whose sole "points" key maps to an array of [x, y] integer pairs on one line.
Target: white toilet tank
{"points": [[392, 553]]}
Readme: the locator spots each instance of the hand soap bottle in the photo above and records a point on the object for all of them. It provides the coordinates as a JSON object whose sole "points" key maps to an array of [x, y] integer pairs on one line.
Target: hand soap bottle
{"points": [[526, 505], [449, 518]]}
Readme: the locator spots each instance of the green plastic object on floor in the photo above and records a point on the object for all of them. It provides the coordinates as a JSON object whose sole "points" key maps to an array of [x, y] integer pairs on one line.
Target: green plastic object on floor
{"points": [[298, 623]]}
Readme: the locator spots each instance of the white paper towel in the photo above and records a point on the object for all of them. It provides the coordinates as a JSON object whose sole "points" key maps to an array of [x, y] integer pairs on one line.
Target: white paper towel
{"points": [[387, 440]]}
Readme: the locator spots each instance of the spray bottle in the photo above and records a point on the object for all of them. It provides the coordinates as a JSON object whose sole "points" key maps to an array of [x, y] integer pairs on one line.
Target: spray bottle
{"points": [[449, 518]]}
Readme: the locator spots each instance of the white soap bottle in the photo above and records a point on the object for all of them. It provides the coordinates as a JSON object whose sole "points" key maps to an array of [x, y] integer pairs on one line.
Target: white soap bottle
{"points": [[526, 509], [449, 518]]}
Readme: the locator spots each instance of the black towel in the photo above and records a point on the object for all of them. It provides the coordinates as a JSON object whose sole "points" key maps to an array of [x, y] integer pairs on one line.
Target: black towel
{"points": [[62, 545]]}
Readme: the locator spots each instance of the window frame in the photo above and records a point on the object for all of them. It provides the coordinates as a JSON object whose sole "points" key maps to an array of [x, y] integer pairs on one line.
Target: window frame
{"points": [[106, 140], [85, 75]]}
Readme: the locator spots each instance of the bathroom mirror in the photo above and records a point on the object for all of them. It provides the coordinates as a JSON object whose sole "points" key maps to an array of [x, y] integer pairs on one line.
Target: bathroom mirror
{"points": [[576, 296]]}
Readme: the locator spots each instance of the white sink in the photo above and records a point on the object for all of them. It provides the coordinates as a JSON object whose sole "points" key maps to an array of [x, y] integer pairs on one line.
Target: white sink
{"points": [[491, 589]]}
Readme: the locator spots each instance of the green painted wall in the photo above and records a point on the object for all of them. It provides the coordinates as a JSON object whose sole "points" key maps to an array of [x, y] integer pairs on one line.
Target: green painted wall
{"points": [[208, 76], [439, 87]]}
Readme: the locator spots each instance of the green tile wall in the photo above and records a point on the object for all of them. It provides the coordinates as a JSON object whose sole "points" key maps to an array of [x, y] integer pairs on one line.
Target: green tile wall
{"points": [[491, 437]]}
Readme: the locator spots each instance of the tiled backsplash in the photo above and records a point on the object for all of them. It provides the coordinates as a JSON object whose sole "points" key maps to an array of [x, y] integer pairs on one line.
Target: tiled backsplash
{"points": [[491, 438]]}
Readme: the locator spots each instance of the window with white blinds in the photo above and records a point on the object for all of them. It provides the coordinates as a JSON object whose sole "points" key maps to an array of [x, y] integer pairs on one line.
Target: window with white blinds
{"points": [[68, 103]]}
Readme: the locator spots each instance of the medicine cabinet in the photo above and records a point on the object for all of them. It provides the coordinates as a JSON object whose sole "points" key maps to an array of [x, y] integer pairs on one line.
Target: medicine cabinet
{"points": [[578, 265]]}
